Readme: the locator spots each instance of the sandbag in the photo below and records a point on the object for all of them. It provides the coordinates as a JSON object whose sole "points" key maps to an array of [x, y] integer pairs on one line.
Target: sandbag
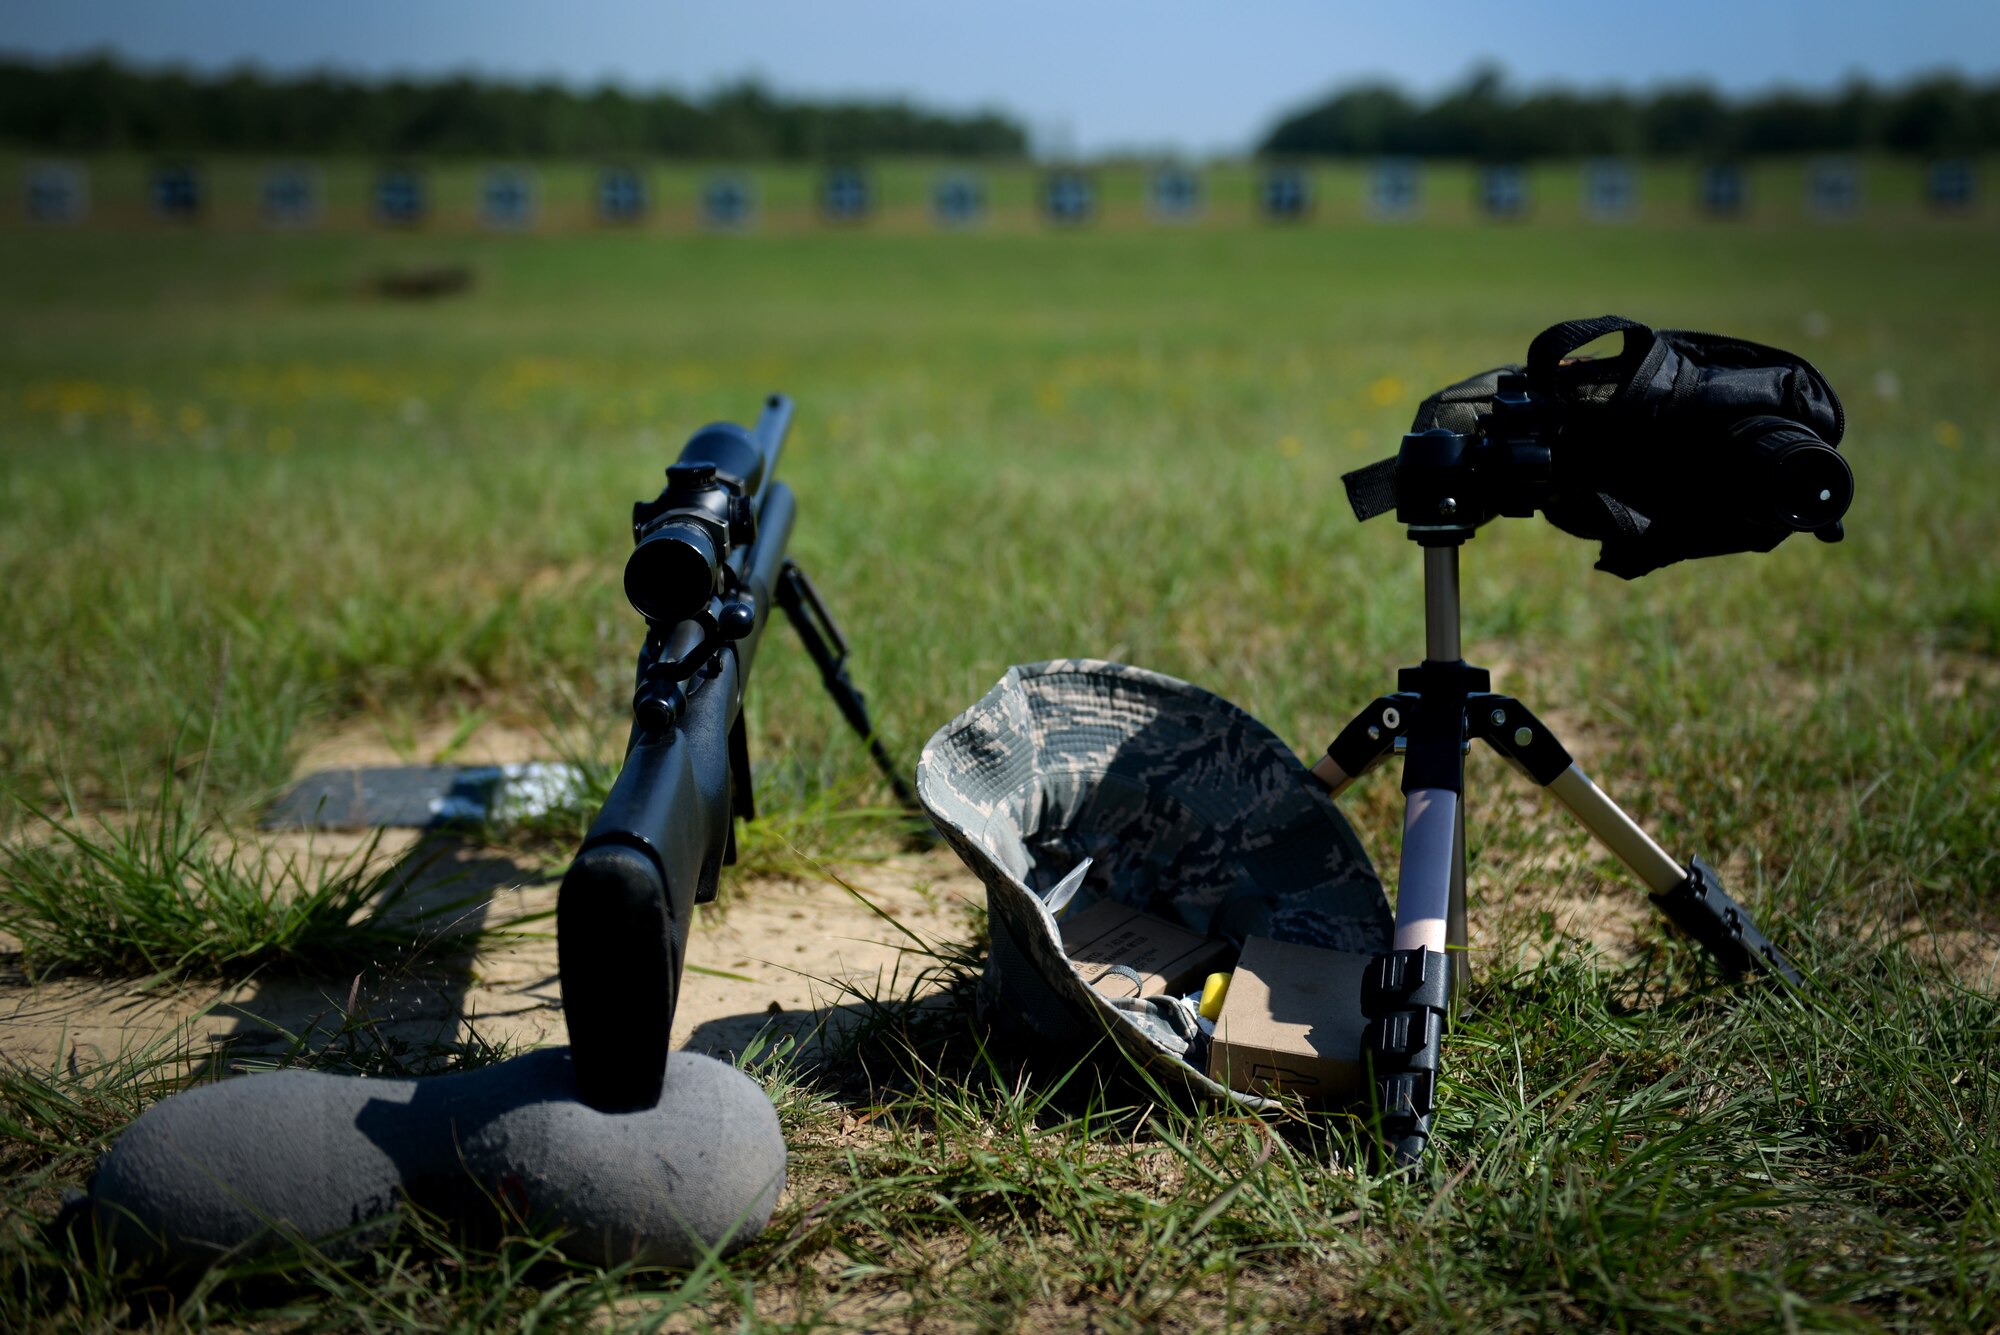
{"points": [[254, 1163]]}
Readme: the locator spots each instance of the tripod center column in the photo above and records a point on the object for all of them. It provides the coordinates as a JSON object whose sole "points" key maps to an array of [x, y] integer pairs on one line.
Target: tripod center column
{"points": [[1441, 603]]}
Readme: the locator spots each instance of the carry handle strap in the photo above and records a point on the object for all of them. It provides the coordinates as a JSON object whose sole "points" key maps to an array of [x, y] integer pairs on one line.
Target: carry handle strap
{"points": [[1560, 340], [1372, 490]]}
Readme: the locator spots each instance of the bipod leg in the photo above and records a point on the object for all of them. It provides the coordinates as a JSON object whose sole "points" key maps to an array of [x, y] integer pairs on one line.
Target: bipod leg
{"points": [[828, 649], [1690, 894]]}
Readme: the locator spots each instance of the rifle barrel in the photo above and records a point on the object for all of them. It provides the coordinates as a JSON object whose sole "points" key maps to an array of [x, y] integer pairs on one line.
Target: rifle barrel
{"points": [[773, 425], [763, 561]]}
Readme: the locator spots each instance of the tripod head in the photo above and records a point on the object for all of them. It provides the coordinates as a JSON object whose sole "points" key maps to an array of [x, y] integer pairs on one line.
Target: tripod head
{"points": [[1685, 445]]}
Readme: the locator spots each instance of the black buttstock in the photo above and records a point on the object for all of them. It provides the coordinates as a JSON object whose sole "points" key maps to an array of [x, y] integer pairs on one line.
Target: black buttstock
{"points": [[623, 912]]}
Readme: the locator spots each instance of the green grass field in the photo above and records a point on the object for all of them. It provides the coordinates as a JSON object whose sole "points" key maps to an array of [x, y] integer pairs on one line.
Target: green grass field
{"points": [[247, 503]]}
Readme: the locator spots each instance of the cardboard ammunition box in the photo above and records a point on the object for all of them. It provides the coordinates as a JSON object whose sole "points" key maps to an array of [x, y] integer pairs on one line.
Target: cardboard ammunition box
{"points": [[1167, 957], [1291, 1025]]}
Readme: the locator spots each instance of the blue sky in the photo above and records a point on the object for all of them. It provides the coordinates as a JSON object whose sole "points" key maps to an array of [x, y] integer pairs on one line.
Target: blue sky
{"points": [[1085, 75]]}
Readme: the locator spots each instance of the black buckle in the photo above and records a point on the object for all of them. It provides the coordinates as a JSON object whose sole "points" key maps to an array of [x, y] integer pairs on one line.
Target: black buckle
{"points": [[1405, 978], [1404, 995]]}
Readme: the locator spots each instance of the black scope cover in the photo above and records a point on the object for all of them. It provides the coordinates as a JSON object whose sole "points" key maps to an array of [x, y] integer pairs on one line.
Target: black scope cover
{"points": [[1649, 453]]}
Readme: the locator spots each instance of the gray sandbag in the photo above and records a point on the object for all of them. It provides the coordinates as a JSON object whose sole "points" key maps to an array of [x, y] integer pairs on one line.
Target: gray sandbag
{"points": [[1183, 806], [253, 1163]]}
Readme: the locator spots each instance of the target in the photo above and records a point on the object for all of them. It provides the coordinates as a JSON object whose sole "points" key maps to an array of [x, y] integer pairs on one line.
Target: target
{"points": [[57, 193], [1723, 190], [1285, 194], [621, 196], [845, 196], [1175, 194], [507, 199], [176, 192], [727, 202], [1950, 185], [1069, 197], [1610, 190], [1503, 191], [1395, 189], [958, 200], [290, 196], [1833, 189], [401, 199]]}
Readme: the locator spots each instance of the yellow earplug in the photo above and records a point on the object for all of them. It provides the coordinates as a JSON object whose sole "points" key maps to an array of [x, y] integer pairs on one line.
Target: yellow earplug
{"points": [[1212, 993]]}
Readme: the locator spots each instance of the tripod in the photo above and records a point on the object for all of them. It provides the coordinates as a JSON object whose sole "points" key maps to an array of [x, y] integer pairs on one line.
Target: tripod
{"points": [[1438, 708]]}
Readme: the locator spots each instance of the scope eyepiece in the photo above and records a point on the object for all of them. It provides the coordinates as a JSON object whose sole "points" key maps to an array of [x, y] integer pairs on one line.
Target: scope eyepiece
{"points": [[672, 573], [1804, 483]]}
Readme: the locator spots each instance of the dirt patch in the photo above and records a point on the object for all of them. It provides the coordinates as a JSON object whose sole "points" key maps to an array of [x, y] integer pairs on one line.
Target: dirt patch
{"points": [[1970, 957], [778, 955], [364, 743]]}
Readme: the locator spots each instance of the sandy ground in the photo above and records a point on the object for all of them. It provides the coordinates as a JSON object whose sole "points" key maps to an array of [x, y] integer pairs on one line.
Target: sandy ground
{"points": [[780, 956]]}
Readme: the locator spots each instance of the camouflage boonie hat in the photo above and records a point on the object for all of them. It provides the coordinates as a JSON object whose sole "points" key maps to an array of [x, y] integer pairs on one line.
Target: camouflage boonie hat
{"points": [[1188, 808]]}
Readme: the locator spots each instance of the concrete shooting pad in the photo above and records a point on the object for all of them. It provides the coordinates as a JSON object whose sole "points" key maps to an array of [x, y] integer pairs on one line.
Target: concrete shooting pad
{"points": [[423, 797], [777, 957]]}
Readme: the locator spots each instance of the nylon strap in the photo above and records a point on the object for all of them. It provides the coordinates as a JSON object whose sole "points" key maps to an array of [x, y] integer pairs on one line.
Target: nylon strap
{"points": [[1560, 340], [1372, 490]]}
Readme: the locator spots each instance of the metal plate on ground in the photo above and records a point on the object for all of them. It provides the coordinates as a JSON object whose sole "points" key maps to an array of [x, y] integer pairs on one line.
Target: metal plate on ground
{"points": [[425, 797]]}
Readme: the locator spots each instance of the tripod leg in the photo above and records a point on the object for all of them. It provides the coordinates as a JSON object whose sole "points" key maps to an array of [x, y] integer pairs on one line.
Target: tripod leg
{"points": [[1362, 745], [1424, 882], [1455, 934], [1690, 895], [1406, 993]]}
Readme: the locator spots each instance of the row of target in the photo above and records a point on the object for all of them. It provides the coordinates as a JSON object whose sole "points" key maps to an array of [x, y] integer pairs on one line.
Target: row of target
{"points": [[509, 197]]}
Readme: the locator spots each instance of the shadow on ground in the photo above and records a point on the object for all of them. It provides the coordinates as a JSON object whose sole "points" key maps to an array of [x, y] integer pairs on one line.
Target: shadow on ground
{"points": [[420, 1005]]}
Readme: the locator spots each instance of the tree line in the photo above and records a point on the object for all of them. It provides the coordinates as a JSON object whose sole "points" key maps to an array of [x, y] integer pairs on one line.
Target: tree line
{"points": [[97, 103], [1484, 117]]}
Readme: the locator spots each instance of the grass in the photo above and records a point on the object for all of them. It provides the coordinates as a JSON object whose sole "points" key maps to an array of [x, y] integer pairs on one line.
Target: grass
{"points": [[250, 504], [1717, 1161], [160, 896]]}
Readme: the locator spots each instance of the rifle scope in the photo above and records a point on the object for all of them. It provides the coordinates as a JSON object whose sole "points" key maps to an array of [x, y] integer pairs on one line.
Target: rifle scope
{"points": [[708, 510]]}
